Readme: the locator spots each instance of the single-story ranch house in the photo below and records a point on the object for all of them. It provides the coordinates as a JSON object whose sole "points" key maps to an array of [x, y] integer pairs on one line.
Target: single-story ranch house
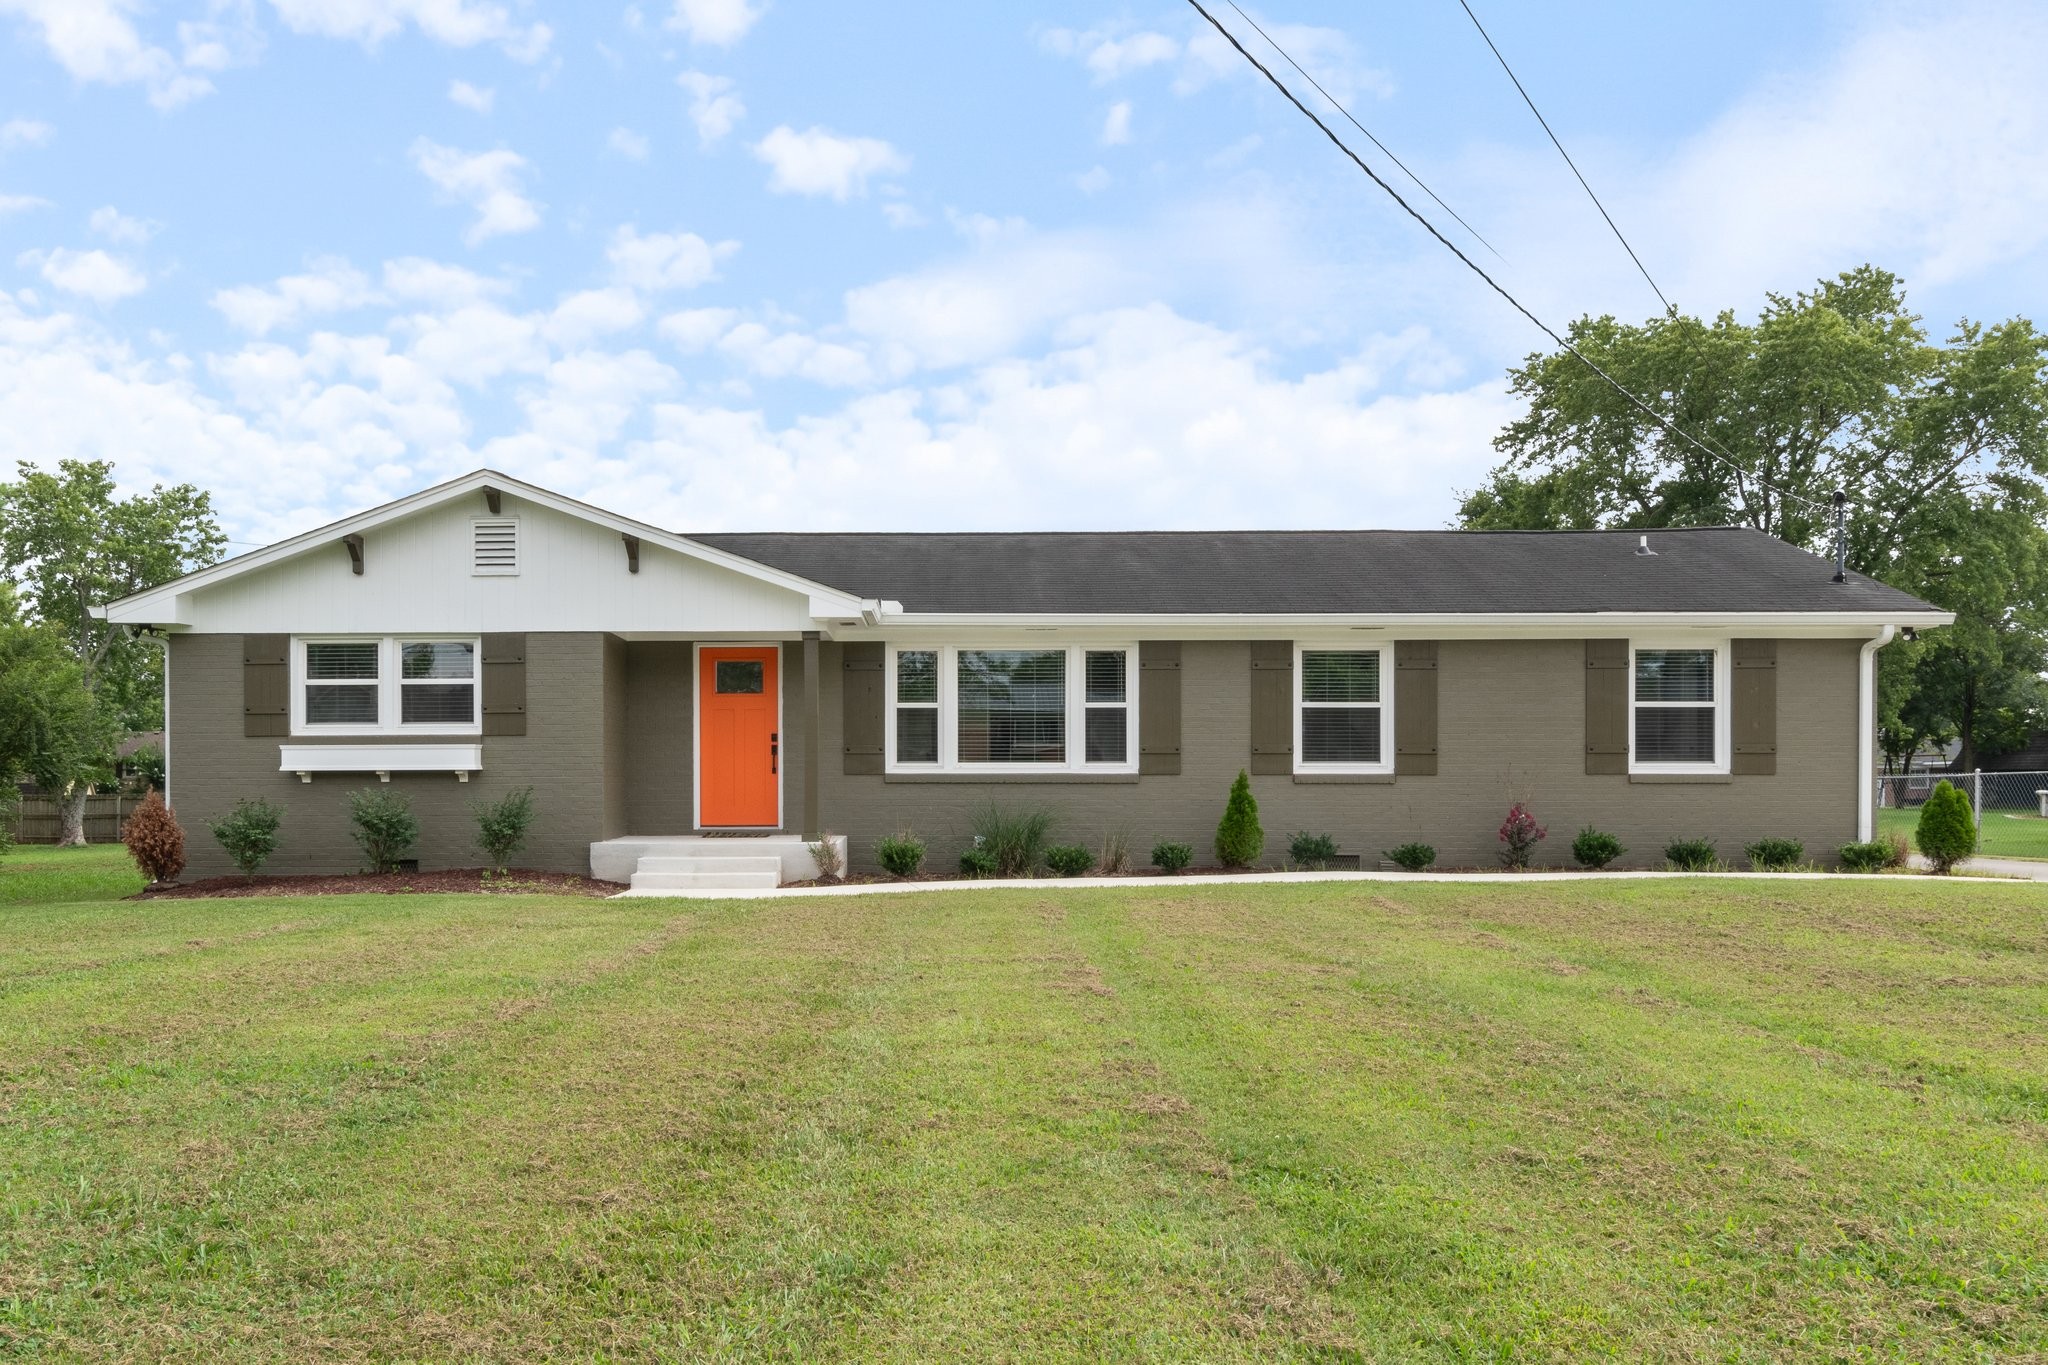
{"points": [[659, 690]]}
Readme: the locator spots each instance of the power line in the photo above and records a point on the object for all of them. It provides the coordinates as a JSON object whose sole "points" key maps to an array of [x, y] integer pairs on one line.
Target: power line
{"points": [[1726, 461], [1368, 132], [1565, 154]]}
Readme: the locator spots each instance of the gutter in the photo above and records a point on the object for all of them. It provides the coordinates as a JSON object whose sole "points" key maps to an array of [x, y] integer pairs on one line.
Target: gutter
{"points": [[1866, 744]]}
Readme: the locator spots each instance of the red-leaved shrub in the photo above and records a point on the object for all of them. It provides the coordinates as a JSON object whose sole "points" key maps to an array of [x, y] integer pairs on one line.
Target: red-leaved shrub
{"points": [[1520, 833], [154, 839]]}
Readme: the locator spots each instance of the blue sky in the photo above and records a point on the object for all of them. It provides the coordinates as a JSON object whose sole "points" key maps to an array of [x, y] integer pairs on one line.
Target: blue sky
{"points": [[726, 264]]}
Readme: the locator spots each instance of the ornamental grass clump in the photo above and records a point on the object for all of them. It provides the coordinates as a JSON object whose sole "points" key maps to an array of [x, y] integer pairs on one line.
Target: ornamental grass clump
{"points": [[1239, 840], [1947, 832], [154, 839], [249, 834], [1519, 835], [1016, 839], [385, 828], [1595, 848]]}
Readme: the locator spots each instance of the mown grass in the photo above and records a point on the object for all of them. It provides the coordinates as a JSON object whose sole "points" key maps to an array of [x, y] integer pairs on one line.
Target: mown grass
{"points": [[1635, 1120], [2003, 834]]}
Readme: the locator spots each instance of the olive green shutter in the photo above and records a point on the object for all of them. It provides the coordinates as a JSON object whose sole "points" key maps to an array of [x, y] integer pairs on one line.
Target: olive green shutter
{"points": [[1606, 706], [861, 703], [1755, 708], [1415, 708], [266, 686], [504, 684], [1159, 707], [1272, 706]]}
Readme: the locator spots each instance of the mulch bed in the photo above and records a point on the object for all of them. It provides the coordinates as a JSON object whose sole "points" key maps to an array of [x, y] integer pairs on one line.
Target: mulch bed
{"points": [[460, 880]]}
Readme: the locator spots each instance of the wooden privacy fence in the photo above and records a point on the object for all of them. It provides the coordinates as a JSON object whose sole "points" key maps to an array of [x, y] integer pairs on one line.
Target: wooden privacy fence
{"points": [[40, 818]]}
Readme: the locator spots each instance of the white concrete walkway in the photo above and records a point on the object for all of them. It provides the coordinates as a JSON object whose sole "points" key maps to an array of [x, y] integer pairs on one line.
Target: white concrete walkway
{"points": [[2026, 869], [1284, 878]]}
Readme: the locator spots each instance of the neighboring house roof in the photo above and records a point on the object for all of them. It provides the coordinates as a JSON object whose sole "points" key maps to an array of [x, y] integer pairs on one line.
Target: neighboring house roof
{"points": [[1719, 570]]}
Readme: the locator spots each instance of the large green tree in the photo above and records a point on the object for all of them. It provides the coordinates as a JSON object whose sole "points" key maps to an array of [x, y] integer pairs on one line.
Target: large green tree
{"points": [[68, 543], [1941, 447]]}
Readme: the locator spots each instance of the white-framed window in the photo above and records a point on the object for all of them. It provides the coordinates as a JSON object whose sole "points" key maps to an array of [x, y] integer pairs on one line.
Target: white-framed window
{"points": [[1343, 709], [387, 685], [1011, 708], [1678, 706]]}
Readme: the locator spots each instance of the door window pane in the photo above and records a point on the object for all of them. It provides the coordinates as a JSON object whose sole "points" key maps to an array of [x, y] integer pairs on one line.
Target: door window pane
{"points": [[1013, 706], [740, 676]]}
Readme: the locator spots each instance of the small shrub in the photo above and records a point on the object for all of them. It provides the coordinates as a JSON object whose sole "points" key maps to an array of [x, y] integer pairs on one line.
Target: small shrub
{"points": [[1901, 850], [1171, 857], [1875, 856], [385, 827], [824, 851], [977, 861], [1239, 840], [1116, 853], [1016, 839], [1519, 834], [1069, 860], [1595, 848], [901, 855], [154, 840], [249, 834], [1313, 851], [1411, 857], [1947, 832], [501, 826], [1774, 855], [1692, 855]]}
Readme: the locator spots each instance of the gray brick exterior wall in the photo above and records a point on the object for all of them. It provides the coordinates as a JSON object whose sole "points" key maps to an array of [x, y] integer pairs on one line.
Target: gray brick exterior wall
{"points": [[609, 743]]}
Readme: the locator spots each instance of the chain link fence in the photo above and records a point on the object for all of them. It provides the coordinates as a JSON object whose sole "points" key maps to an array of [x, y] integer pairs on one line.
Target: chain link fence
{"points": [[2011, 808]]}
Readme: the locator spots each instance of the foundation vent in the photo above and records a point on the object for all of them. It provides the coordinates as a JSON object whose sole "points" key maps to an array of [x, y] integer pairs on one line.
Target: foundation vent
{"points": [[494, 547]]}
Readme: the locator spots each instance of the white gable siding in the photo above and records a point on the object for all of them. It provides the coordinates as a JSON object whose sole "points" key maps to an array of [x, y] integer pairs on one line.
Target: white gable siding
{"points": [[417, 576]]}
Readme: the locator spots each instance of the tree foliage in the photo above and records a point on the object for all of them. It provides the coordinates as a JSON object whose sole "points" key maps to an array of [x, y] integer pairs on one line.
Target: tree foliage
{"points": [[1239, 839], [49, 727], [1942, 449], [1947, 832]]}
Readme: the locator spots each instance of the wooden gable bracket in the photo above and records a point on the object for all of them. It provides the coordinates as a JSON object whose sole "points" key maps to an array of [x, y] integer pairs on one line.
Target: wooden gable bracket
{"points": [[494, 500], [632, 553], [355, 553]]}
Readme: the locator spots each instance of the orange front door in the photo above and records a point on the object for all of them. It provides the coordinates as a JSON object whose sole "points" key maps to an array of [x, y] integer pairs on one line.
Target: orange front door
{"points": [[739, 748]]}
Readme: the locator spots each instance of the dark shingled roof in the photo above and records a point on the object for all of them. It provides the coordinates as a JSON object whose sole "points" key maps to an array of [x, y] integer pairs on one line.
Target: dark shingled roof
{"points": [[1713, 570]]}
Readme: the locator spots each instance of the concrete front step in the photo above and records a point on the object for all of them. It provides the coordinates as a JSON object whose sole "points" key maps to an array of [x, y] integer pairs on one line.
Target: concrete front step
{"points": [[616, 860], [705, 881], [708, 862]]}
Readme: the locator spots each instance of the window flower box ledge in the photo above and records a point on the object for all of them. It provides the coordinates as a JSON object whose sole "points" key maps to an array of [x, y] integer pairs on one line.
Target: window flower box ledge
{"points": [[381, 759]]}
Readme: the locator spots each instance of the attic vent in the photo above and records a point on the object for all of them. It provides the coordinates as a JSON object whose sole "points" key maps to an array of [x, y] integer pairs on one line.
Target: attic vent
{"points": [[494, 547]]}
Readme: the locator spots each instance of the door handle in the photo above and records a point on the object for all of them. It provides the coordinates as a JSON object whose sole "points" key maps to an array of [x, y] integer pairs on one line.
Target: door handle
{"points": [[774, 751]]}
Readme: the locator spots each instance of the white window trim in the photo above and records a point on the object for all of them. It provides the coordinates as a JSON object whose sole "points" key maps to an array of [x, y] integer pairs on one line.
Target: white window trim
{"points": [[1723, 678], [1385, 704], [388, 685], [949, 709]]}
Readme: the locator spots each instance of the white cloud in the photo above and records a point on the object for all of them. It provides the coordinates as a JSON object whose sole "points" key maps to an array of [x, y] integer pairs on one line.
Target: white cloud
{"points": [[90, 274], [714, 108], [330, 286], [116, 226], [720, 23], [1116, 128], [488, 182], [628, 144], [674, 260], [1094, 180], [414, 279], [458, 23], [476, 98], [25, 132], [694, 329], [21, 203], [1110, 56], [592, 313], [902, 215], [778, 355], [819, 161], [94, 42]]}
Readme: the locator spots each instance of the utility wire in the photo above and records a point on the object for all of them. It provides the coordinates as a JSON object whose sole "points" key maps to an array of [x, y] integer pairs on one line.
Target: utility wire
{"points": [[1727, 461], [1565, 154], [1335, 104]]}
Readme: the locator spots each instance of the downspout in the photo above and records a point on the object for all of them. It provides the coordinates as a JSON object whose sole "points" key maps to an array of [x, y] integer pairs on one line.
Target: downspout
{"points": [[1866, 744]]}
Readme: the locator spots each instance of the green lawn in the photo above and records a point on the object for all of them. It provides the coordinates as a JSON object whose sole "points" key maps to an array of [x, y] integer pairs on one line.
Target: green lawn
{"points": [[2005, 834], [1639, 1120]]}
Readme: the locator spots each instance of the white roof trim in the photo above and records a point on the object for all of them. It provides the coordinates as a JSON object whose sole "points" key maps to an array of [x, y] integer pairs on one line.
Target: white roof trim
{"points": [[158, 605], [1419, 625]]}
